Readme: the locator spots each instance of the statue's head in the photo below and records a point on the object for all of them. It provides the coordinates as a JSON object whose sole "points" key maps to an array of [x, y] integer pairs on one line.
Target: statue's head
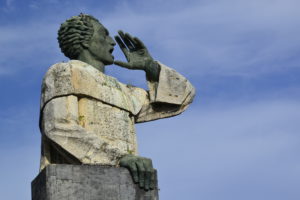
{"points": [[84, 34]]}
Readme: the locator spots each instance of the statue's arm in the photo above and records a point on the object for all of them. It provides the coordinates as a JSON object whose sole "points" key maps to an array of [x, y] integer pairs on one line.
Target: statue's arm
{"points": [[169, 92], [61, 125], [170, 95]]}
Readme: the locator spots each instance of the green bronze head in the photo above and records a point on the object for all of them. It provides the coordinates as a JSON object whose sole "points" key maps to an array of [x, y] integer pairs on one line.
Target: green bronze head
{"points": [[84, 38]]}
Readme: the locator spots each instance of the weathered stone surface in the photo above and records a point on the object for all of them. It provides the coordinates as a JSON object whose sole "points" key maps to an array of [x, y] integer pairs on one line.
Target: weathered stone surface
{"points": [[87, 182], [88, 117], [172, 87], [79, 78]]}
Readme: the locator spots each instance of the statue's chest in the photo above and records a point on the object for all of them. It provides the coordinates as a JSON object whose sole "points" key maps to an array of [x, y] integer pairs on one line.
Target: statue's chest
{"points": [[101, 87], [62, 80], [107, 121]]}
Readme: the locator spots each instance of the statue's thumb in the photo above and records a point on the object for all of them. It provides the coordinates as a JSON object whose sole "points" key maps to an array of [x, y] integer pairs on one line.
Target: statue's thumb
{"points": [[122, 64]]}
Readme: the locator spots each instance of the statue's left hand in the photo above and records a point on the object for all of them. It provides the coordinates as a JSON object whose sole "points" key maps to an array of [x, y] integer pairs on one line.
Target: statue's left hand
{"points": [[141, 170], [137, 55]]}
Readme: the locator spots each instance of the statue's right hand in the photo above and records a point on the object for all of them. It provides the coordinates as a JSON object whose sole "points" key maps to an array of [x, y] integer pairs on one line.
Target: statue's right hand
{"points": [[141, 170]]}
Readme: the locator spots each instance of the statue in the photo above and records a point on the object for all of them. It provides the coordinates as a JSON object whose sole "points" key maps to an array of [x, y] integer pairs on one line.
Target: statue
{"points": [[88, 117]]}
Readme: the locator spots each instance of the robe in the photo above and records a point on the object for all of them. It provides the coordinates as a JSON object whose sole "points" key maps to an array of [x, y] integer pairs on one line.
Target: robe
{"points": [[88, 117]]}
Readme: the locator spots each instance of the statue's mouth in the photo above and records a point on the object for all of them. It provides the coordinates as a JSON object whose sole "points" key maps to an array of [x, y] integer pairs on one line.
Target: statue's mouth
{"points": [[111, 51]]}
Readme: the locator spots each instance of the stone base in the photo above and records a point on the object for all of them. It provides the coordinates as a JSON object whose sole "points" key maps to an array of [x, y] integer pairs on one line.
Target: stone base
{"points": [[87, 182]]}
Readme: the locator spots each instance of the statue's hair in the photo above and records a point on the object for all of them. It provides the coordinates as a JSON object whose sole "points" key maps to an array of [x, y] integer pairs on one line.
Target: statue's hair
{"points": [[74, 35]]}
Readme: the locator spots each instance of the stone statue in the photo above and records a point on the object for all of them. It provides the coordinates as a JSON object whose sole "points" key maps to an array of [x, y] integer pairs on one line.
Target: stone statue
{"points": [[88, 117]]}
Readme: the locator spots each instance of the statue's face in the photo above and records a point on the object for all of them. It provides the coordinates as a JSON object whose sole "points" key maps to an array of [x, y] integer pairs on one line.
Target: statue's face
{"points": [[101, 44]]}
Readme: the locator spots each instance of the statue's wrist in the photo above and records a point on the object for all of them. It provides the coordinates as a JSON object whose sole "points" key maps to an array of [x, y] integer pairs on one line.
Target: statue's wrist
{"points": [[152, 70], [124, 157]]}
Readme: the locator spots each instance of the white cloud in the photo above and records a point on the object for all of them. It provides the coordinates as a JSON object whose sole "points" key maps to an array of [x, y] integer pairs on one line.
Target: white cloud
{"points": [[197, 38], [223, 37]]}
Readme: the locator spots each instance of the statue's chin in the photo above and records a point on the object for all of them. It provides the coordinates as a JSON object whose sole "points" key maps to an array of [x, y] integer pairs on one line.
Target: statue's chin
{"points": [[108, 62]]}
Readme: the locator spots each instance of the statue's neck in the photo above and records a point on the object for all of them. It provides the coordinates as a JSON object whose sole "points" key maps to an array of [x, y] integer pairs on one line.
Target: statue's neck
{"points": [[86, 57]]}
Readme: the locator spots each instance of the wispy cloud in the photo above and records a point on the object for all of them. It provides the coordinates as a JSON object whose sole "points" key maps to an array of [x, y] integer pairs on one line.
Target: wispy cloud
{"points": [[232, 37], [205, 37], [9, 3], [24, 46], [9, 6]]}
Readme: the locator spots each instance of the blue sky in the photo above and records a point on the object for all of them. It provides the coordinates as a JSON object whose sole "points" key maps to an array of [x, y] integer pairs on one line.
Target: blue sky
{"points": [[240, 137]]}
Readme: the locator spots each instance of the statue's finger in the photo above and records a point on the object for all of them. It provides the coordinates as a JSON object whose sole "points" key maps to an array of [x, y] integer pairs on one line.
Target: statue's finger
{"points": [[141, 171], [153, 180], [148, 178], [139, 43], [148, 173], [126, 41], [122, 46], [123, 64], [130, 38], [134, 172], [120, 43]]}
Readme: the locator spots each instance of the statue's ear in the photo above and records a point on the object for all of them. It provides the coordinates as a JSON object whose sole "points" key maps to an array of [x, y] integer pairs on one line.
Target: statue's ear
{"points": [[85, 45]]}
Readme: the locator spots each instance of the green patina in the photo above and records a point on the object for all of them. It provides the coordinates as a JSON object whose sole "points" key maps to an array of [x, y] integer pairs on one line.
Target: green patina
{"points": [[84, 38]]}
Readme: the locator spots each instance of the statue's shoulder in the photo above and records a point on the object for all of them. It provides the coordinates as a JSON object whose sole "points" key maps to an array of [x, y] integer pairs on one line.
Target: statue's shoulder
{"points": [[63, 79], [81, 79], [61, 68]]}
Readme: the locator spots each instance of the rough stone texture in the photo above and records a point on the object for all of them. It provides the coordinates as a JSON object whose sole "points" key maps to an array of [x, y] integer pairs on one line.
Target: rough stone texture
{"points": [[87, 182], [88, 117]]}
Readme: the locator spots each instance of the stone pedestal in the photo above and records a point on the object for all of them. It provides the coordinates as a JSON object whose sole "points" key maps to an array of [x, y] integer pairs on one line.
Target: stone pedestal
{"points": [[87, 182]]}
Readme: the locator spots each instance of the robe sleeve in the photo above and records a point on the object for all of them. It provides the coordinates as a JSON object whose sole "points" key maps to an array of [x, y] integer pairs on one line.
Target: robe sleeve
{"points": [[168, 97]]}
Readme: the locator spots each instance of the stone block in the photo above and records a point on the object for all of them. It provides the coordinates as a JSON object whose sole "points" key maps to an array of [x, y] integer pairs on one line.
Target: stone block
{"points": [[87, 182]]}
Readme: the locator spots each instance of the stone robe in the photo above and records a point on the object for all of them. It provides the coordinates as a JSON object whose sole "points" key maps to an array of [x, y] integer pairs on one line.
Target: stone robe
{"points": [[88, 117]]}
